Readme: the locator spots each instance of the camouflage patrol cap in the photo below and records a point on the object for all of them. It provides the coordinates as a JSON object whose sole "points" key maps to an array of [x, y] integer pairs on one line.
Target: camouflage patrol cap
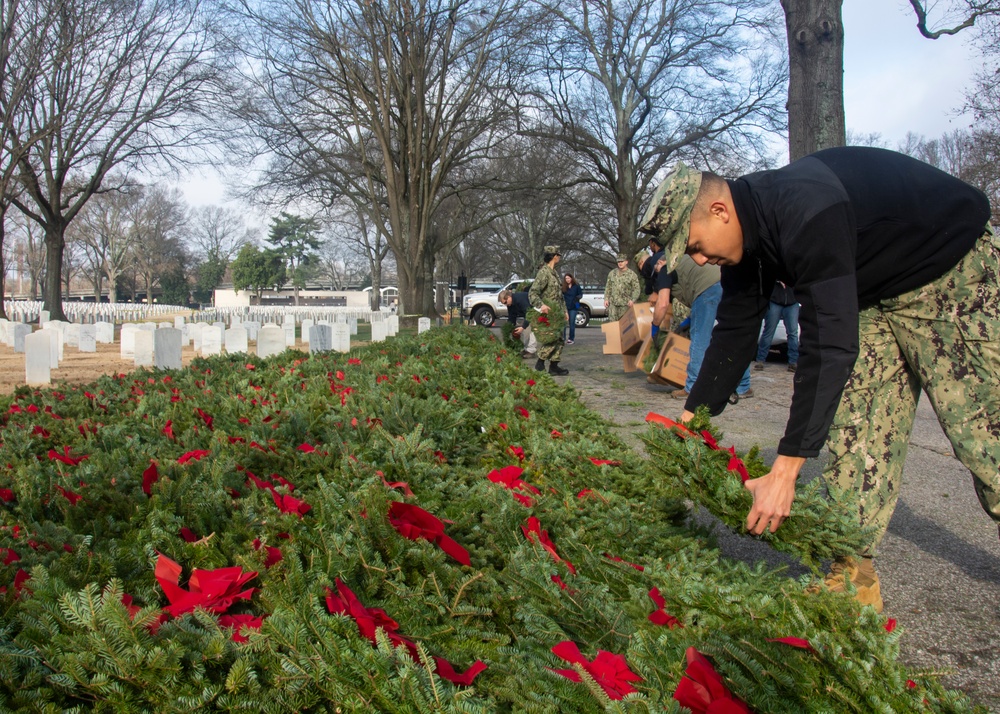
{"points": [[622, 258], [551, 250], [669, 214]]}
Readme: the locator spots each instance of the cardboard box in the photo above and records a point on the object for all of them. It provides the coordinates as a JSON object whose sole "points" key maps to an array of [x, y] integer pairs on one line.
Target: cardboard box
{"points": [[612, 338], [626, 335], [672, 363]]}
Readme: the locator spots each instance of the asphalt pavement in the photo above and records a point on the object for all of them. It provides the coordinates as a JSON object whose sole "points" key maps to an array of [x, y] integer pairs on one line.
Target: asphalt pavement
{"points": [[939, 564]]}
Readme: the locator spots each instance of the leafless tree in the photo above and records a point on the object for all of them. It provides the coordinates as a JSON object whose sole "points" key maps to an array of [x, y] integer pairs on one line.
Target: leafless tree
{"points": [[382, 101], [634, 84], [159, 224], [128, 84], [104, 230], [23, 59], [952, 17], [217, 233]]}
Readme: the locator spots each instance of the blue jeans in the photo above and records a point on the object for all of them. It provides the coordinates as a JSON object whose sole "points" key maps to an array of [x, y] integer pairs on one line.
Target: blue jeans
{"points": [[703, 310], [789, 314], [571, 325]]}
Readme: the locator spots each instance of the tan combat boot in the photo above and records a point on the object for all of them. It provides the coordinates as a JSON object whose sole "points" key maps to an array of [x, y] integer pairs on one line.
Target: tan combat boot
{"points": [[861, 573]]}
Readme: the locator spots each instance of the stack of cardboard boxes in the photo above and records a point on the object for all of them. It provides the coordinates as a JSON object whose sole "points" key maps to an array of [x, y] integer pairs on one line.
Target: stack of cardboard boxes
{"points": [[630, 337]]}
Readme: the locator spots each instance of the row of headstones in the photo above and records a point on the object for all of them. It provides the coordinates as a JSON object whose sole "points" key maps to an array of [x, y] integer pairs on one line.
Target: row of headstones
{"points": [[285, 314], [160, 346], [82, 312]]}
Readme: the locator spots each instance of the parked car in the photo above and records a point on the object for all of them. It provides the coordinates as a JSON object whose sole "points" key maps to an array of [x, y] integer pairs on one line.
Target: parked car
{"points": [[485, 307]]}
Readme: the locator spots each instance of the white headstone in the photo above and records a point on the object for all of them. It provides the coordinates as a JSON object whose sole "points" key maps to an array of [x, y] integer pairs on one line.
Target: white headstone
{"points": [[178, 322], [165, 325], [43, 316], [270, 341], [423, 324], [289, 328], [320, 338], [104, 332], [251, 326], [54, 338], [195, 332], [88, 338], [72, 335], [37, 356], [306, 324], [341, 335], [167, 348], [393, 325], [127, 345], [142, 344], [211, 340], [6, 336], [236, 340], [353, 324], [379, 331], [221, 325], [20, 332]]}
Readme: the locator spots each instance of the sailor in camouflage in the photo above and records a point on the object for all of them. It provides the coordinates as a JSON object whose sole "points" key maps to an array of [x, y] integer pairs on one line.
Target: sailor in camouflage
{"points": [[546, 297], [896, 272], [622, 289]]}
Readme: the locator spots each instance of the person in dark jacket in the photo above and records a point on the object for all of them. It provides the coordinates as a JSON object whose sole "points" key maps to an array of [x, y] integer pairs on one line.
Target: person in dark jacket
{"points": [[893, 261], [572, 293], [517, 311], [783, 308]]}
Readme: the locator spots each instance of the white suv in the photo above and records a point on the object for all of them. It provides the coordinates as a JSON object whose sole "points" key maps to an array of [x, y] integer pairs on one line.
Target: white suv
{"points": [[485, 307]]}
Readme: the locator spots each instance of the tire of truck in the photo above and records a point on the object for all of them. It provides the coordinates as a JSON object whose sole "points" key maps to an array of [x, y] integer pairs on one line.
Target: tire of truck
{"points": [[583, 316], [483, 316]]}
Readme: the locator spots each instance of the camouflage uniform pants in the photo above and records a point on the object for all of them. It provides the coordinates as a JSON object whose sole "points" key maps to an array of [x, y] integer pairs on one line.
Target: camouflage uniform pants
{"points": [[616, 310], [550, 351], [944, 339]]}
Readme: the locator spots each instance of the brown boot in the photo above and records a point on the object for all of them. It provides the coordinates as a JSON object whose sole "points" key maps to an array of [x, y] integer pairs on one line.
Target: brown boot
{"points": [[861, 573]]}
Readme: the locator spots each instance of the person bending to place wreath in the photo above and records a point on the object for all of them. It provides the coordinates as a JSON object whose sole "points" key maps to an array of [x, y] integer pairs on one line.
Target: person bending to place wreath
{"points": [[895, 270]]}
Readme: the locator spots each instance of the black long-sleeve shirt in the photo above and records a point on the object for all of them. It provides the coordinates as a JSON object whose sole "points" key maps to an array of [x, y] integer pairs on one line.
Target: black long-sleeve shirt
{"points": [[517, 311], [848, 227]]}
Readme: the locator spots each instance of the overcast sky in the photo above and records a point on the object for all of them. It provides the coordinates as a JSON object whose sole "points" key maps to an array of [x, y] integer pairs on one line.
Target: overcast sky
{"points": [[895, 81]]}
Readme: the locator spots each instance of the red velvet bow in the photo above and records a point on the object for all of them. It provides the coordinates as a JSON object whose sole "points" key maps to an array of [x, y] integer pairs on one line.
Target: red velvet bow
{"points": [[414, 523], [149, 477], [702, 690], [213, 590], [609, 670], [65, 457], [273, 555], [533, 531], [70, 496], [797, 642], [605, 462], [660, 616], [622, 560], [680, 429], [736, 464], [290, 504], [195, 455], [510, 478], [238, 622], [369, 619]]}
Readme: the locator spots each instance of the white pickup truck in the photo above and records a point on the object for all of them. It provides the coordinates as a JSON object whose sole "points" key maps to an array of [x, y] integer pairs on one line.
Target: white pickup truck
{"points": [[485, 307]]}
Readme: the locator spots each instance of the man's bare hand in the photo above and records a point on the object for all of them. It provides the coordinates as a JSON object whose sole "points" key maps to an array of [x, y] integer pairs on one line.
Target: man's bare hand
{"points": [[773, 495], [630, 303], [544, 309], [517, 331]]}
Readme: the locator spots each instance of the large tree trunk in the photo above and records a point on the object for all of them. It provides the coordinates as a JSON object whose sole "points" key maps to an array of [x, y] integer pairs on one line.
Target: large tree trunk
{"points": [[55, 242], [3, 268], [816, 75], [376, 298]]}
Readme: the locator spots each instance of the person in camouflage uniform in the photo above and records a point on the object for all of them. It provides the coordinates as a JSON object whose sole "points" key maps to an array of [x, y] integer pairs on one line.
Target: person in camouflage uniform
{"points": [[896, 272], [546, 297], [621, 290]]}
